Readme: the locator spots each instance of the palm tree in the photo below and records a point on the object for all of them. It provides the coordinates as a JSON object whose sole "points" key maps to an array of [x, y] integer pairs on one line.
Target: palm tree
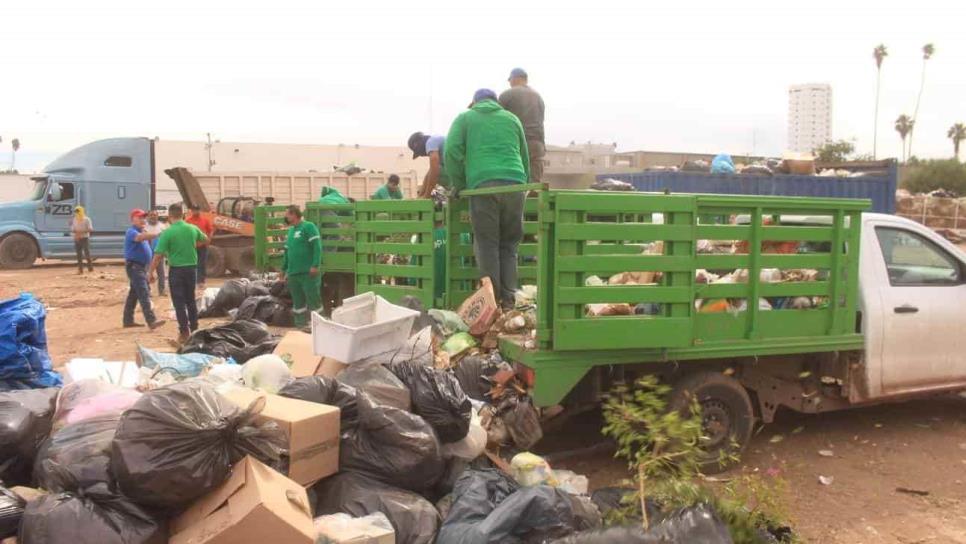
{"points": [[15, 143], [927, 52], [957, 133], [880, 53], [904, 127]]}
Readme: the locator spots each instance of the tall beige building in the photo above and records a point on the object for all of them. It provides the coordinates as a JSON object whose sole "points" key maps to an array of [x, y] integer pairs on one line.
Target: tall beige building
{"points": [[809, 116]]}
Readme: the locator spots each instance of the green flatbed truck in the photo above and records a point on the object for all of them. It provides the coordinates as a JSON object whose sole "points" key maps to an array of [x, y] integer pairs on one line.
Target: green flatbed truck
{"points": [[826, 307]]}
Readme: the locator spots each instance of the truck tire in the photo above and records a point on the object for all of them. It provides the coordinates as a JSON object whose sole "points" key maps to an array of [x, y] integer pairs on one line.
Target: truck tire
{"points": [[215, 263], [17, 251], [727, 414]]}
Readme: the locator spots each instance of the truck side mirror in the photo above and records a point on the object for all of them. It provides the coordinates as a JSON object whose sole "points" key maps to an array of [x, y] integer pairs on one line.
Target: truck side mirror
{"points": [[56, 192]]}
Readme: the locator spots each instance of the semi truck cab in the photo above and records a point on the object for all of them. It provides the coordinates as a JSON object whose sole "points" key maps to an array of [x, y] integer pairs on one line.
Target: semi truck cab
{"points": [[108, 178]]}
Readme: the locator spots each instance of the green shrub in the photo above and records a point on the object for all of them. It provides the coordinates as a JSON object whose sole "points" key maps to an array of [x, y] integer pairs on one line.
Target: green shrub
{"points": [[929, 175]]}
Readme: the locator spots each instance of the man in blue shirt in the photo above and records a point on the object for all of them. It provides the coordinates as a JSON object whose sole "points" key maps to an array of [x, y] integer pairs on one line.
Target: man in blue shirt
{"points": [[137, 258], [429, 146]]}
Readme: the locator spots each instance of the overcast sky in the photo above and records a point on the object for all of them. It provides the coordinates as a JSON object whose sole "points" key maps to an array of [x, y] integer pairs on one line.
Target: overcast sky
{"points": [[697, 76]]}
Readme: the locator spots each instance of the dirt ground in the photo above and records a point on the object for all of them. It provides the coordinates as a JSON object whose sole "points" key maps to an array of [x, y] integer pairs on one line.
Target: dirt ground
{"points": [[918, 445]]}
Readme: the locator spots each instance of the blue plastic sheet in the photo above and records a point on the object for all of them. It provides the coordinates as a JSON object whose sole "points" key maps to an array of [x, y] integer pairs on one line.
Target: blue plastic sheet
{"points": [[722, 164], [24, 362], [180, 365]]}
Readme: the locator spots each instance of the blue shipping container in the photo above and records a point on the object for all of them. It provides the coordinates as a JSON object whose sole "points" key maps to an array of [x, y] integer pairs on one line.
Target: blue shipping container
{"points": [[880, 189]]}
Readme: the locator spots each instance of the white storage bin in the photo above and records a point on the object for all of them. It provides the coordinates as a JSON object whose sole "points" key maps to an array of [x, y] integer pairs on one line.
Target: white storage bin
{"points": [[365, 325]]}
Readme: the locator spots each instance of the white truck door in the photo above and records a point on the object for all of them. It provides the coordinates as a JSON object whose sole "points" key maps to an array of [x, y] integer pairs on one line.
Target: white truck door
{"points": [[923, 299]]}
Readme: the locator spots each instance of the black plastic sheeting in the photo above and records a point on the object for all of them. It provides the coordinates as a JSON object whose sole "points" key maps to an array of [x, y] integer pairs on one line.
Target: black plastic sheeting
{"points": [[266, 309], [490, 508], [693, 525], [232, 293], [414, 519], [11, 510], [179, 442], [77, 456], [99, 517], [241, 339], [25, 421], [323, 390], [438, 398]]}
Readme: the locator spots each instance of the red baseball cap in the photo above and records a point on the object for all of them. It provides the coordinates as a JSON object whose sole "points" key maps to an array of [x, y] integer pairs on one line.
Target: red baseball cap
{"points": [[138, 212]]}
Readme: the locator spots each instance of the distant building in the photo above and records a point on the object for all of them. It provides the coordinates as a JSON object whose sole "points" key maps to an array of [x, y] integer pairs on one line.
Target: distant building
{"points": [[809, 116]]}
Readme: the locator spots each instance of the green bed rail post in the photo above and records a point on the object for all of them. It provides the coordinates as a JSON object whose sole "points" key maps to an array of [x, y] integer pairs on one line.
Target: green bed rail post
{"points": [[270, 233]]}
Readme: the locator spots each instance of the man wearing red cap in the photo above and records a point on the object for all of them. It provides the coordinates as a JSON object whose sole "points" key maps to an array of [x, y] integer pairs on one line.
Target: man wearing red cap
{"points": [[137, 258]]}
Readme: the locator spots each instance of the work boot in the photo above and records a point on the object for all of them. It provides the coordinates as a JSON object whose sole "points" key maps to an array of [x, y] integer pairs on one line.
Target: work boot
{"points": [[156, 323], [132, 325]]}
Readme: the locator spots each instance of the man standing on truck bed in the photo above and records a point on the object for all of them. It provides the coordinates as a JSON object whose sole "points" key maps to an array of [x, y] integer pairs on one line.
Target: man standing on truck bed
{"points": [[432, 147], [300, 266], [205, 226], [524, 102], [178, 243], [389, 191], [137, 258], [486, 147]]}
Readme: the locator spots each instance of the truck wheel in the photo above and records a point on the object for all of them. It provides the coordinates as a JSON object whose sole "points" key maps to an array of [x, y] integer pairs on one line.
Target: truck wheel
{"points": [[215, 263], [17, 250], [727, 415], [246, 262]]}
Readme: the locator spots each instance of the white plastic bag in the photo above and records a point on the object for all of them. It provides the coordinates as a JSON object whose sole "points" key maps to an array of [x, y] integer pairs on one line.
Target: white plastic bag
{"points": [[267, 373]]}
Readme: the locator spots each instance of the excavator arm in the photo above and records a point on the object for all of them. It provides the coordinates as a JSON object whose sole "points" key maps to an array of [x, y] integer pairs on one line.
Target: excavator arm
{"points": [[192, 195]]}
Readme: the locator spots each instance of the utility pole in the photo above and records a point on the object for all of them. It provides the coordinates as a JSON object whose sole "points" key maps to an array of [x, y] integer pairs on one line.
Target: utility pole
{"points": [[208, 147]]}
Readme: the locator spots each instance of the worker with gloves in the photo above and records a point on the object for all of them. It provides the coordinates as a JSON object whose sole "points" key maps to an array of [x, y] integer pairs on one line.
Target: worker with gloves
{"points": [[487, 147], [301, 266], [429, 146], [389, 191]]}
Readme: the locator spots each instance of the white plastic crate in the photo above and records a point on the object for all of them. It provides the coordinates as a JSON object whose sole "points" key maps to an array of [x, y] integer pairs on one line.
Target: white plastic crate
{"points": [[365, 325]]}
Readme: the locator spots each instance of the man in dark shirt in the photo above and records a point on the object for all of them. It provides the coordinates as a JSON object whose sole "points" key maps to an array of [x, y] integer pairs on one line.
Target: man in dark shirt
{"points": [[137, 257], [524, 102]]}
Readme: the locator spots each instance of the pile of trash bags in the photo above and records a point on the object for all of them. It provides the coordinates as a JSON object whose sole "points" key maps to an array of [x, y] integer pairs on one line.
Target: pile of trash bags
{"points": [[264, 299], [24, 362], [239, 340]]}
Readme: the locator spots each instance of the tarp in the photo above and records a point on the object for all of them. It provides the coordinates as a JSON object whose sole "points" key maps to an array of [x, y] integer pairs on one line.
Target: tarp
{"points": [[24, 362]]}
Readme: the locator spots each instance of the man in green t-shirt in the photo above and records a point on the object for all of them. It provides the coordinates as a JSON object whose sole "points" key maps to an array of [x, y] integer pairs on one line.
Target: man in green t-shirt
{"points": [[178, 243], [389, 191], [300, 266]]}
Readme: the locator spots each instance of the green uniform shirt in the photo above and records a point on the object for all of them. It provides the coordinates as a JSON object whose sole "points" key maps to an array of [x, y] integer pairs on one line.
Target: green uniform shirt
{"points": [[178, 242], [486, 143], [385, 193], [303, 248]]}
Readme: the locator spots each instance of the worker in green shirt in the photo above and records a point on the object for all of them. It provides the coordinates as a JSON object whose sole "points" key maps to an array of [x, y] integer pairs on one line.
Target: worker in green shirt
{"points": [[389, 191], [178, 243], [300, 265], [331, 195]]}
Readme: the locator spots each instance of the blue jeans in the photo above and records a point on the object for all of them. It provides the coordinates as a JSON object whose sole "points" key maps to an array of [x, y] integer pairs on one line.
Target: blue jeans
{"points": [[181, 283], [202, 260], [138, 292]]}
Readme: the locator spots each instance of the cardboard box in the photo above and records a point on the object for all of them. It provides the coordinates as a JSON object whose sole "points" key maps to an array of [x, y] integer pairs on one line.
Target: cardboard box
{"points": [[256, 505], [330, 368], [312, 431], [296, 349]]}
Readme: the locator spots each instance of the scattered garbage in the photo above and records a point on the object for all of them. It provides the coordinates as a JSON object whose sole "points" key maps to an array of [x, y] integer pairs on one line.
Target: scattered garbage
{"points": [[179, 442], [240, 340], [610, 184], [98, 516], [448, 323], [378, 382], [438, 398], [480, 309], [267, 373], [85, 399], [694, 524], [24, 362], [25, 422], [345, 529], [474, 372], [471, 446], [529, 470], [267, 309], [490, 507], [179, 365], [722, 164], [571, 482], [513, 420], [11, 510], [414, 519], [826, 480], [232, 294], [458, 343], [77, 457], [365, 325], [826, 453]]}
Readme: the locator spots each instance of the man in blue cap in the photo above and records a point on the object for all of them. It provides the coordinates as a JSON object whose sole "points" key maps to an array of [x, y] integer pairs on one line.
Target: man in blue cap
{"points": [[486, 147], [524, 102]]}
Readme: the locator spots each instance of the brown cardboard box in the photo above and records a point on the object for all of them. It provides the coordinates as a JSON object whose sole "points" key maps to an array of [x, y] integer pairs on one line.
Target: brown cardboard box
{"points": [[256, 505], [330, 368], [312, 430], [296, 349]]}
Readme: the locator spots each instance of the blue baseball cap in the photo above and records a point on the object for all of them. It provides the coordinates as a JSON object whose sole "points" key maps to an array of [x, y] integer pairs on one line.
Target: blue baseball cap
{"points": [[482, 94], [517, 72]]}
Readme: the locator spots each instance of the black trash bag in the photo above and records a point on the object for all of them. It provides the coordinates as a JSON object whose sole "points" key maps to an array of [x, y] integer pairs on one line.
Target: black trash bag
{"points": [[392, 446], [11, 510], [279, 290], [489, 508], [230, 296], [25, 419], [97, 517], [473, 372], [179, 442], [371, 377], [521, 420], [241, 339], [414, 519], [438, 398], [266, 309], [696, 524], [322, 390], [78, 456]]}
